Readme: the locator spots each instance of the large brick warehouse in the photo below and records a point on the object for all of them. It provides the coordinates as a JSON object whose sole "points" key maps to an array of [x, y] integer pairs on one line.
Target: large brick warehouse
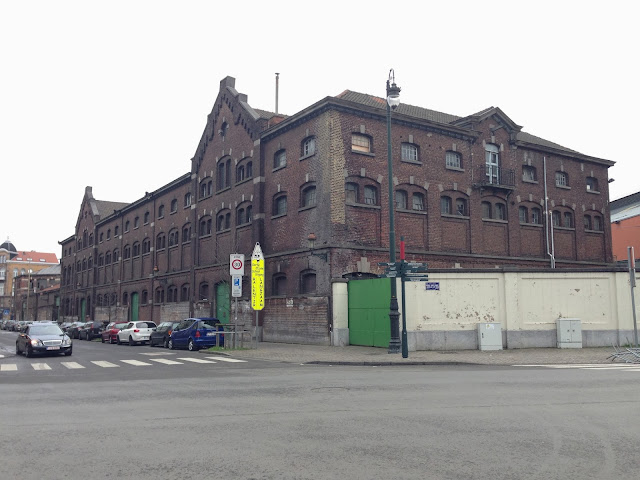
{"points": [[312, 189]]}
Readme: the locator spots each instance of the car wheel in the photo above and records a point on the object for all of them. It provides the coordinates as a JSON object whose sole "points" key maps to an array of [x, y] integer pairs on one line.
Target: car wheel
{"points": [[166, 343], [18, 352], [102, 339], [111, 340], [67, 353], [28, 352], [118, 340], [170, 344], [191, 346], [131, 342], [150, 342]]}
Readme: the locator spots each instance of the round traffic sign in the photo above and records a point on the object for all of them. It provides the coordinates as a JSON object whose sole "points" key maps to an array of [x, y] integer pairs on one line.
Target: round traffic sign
{"points": [[236, 264]]}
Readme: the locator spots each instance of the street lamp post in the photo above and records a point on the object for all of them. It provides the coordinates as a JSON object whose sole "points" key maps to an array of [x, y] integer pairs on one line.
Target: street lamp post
{"points": [[393, 100]]}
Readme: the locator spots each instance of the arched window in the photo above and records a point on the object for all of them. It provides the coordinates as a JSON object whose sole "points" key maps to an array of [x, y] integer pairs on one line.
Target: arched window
{"points": [[146, 246], [409, 152], [136, 222], [126, 252], [370, 195], [224, 174], [206, 187], [172, 294], [186, 233], [203, 291], [184, 292], [147, 215], [501, 211], [567, 220], [587, 222], [173, 237], [562, 179], [161, 211], [91, 239], [159, 295], [107, 258], [418, 201], [280, 205], [308, 281], [145, 297], [161, 241], [126, 226], [187, 199], [108, 234], [125, 298], [116, 230], [280, 159], [308, 196], [351, 192], [445, 205], [205, 226], [308, 146], [224, 221], [401, 200], [461, 207], [243, 215], [536, 216], [174, 205], [523, 214], [279, 284], [84, 265], [136, 249], [453, 160]]}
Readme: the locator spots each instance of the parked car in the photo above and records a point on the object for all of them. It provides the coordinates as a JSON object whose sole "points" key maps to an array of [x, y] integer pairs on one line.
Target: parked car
{"points": [[91, 330], [43, 338], [65, 325], [73, 330], [196, 333], [110, 333], [161, 335], [135, 332]]}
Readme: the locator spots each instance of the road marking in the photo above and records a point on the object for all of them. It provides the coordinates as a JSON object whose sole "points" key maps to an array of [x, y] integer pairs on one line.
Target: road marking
{"points": [[71, 365], [196, 360], [166, 361], [226, 359], [40, 366], [8, 367], [136, 363], [158, 353], [1, 356], [590, 366], [103, 364]]}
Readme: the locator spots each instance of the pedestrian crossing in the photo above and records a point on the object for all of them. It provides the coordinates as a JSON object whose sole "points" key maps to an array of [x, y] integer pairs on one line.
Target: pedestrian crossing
{"points": [[627, 367], [43, 366]]}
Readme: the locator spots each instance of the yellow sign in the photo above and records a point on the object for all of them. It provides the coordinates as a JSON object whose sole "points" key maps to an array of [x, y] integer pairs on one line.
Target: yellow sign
{"points": [[257, 278]]}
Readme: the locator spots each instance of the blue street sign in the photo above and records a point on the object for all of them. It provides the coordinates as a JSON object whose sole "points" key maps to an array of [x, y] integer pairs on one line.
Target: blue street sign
{"points": [[432, 286]]}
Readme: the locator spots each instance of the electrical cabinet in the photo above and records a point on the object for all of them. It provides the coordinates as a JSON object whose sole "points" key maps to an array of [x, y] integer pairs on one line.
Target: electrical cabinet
{"points": [[489, 336], [569, 332]]}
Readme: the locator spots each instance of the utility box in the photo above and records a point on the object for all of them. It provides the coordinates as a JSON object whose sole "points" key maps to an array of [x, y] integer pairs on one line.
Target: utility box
{"points": [[569, 332], [489, 336]]}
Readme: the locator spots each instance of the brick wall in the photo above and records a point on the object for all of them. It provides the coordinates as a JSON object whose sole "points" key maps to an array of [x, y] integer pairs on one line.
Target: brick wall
{"points": [[297, 320]]}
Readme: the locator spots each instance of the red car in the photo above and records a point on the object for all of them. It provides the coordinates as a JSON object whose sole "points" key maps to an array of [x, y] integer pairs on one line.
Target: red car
{"points": [[110, 334]]}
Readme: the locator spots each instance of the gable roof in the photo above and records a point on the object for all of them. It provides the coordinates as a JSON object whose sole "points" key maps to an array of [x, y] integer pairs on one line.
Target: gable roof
{"points": [[106, 208], [625, 207], [36, 257]]}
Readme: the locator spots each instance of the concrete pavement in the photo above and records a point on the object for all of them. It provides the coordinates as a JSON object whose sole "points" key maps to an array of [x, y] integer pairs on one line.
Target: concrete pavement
{"points": [[356, 355]]}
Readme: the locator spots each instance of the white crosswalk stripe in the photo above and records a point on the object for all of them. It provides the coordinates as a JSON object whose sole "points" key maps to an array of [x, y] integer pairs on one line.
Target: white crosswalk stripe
{"points": [[166, 361], [72, 365], [1, 356], [227, 359], [151, 354], [136, 363], [103, 364], [40, 366], [630, 367], [196, 360], [8, 367]]}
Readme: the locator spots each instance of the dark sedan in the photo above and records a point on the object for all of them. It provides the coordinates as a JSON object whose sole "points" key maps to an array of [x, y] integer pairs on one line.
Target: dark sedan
{"points": [[161, 335], [74, 330], [43, 338], [91, 330]]}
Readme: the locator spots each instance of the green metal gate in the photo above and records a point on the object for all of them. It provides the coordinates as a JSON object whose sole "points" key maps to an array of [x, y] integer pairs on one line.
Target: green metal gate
{"points": [[135, 303], [369, 312], [223, 302]]}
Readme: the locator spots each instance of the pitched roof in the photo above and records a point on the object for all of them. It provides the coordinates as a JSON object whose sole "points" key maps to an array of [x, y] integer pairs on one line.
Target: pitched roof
{"points": [[35, 257], [625, 207], [106, 208], [52, 270], [440, 117]]}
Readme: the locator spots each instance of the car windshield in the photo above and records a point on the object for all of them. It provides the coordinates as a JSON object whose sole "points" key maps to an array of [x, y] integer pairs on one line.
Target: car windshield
{"points": [[120, 326], [45, 330]]}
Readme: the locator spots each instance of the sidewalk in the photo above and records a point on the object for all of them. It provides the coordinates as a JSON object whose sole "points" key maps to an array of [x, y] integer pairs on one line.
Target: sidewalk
{"points": [[356, 355]]}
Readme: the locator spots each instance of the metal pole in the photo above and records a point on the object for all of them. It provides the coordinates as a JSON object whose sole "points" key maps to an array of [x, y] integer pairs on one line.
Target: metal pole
{"points": [[235, 322], [394, 342], [256, 330], [632, 282]]}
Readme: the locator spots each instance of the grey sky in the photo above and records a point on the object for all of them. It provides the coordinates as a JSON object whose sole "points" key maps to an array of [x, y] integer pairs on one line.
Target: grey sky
{"points": [[115, 94]]}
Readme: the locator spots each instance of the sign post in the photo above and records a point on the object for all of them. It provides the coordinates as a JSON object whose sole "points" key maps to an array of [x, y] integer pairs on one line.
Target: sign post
{"points": [[236, 270], [257, 283]]}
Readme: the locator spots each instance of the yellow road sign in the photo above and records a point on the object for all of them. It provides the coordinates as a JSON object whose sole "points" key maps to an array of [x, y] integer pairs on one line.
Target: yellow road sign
{"points": [[257, 278]]}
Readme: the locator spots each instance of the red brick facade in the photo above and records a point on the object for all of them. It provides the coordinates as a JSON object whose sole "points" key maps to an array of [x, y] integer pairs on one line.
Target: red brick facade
{"points": [[318, 205]]}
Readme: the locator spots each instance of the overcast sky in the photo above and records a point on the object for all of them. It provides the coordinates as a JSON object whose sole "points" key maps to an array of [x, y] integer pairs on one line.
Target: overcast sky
{"points": [[116, 94]]}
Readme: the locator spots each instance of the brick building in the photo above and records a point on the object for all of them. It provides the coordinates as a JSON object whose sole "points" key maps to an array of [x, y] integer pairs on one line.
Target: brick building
{"points": [[311, 188], [36, 295]]}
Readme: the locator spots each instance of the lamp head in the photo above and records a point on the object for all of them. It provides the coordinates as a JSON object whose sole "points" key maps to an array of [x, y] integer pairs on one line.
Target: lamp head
{"points": [[393, 91]]}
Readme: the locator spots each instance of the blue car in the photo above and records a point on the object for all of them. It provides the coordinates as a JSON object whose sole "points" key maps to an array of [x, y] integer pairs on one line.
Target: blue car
{"points": [[196, 333]]}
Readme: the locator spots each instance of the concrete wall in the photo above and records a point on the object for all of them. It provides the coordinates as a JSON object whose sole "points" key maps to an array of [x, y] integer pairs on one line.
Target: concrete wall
{"points": [[526, 304]]}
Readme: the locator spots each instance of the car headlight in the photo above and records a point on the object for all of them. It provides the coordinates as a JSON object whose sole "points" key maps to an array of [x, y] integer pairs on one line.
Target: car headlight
{"points": [[35, 342], [66, 341]]}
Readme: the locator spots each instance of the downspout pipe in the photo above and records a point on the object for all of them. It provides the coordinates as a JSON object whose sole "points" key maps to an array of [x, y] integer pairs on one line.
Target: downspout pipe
{"points": [[548, 223]]}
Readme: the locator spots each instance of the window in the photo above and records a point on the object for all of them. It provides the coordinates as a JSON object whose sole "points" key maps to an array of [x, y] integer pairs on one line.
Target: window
{"points": [[173, 238], [184, 293], [145, 297], [203, 291], [307, 281], [126, 226], [125, 298], [90, 264], [280, 205], [308, 197], [501, 211], [126, 252], [555, 218], [280, 159], [116, 255], [360, 143], [418, 201], [223, 222], [172, 294], [159, 295], [101, 237], [116, 230], [174, 205], [240, 175], [206, 187], [108, 234], [136, 222], [597, 223], [244, 215], [205, 226], [146, 217], [107, 258], [249, 169], [186, 233], [486, 210], [536, 217], [136, 249], [161, 211], [453, 160], [523, 215], [370, 195], [592, 184], [187, 199], [351, 192], [146, 245], [492, 160], [308, 146], [567, 220], [279, 284], [100, 260], [91, 239], [562, 180], [409, 152], [445, 205], [529, 173], [461, 207], [587, 222], [401, 199], [161, 241], [224, 174]]}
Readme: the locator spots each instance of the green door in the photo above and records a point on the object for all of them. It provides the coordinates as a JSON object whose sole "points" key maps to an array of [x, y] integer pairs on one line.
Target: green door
{"points": [[369, 312], [83, 310], [134, 307], [223, 302]]}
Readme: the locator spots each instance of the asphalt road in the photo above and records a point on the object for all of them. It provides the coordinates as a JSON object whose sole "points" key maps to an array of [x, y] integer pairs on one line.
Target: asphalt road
{"points": [[258, 420]]}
